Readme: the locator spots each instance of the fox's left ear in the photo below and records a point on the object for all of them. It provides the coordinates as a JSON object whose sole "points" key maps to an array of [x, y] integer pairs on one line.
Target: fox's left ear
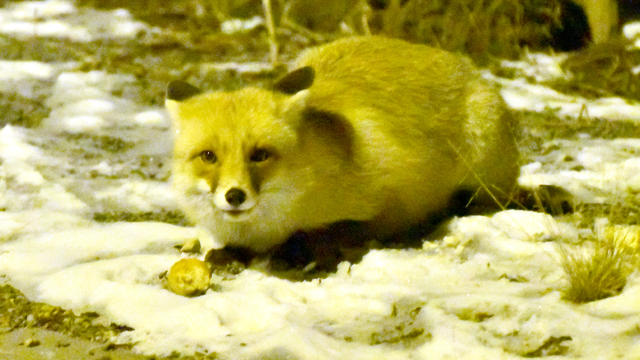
{"points": [[295, 81]]}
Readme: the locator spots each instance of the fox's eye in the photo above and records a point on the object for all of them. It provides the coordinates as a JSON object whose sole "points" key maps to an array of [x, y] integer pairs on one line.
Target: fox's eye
{"points": [[260, 155], [208, 156]]}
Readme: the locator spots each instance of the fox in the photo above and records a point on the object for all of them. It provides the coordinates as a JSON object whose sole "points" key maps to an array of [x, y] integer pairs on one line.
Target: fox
{"points": [[372, 130]]}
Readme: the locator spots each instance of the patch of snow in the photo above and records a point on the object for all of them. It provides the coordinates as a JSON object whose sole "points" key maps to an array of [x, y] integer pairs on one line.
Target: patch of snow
{"points": [[25, 70], [49, 28], [114, 269], [538, 66], [57, 198], [13, 145], [152, 118], [123, 26], [632, 32], [86, 244], [36, 222], [206, 69], [136, 196], [36, 10], [603, 169], [62, 19], [75, 86], [84, 102], [82, 123], [522, 95], [239, 25], [27, 77]]}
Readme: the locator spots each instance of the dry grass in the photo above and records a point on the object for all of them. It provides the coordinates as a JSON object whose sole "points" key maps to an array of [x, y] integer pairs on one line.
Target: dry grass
{"points": [[478, 27], [600, 270], [603, 70]]}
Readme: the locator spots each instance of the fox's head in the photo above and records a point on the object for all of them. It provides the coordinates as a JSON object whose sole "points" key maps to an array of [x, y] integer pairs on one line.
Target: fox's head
{"points": [[237, 158]]}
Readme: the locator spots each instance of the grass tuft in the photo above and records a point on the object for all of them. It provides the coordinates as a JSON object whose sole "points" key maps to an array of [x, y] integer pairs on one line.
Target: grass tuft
{"points": [[600, 271]]}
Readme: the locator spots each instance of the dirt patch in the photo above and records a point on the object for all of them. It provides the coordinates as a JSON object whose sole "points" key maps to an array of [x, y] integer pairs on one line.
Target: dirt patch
{"points": [[37, 344]]}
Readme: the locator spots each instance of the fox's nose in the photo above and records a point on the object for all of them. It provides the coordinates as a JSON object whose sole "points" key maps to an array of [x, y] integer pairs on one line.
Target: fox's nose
{"points": [[235, 196]]}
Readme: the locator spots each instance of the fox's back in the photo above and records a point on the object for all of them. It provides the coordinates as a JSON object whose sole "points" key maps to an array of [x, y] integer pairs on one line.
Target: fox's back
{"points": [[426, 123]]}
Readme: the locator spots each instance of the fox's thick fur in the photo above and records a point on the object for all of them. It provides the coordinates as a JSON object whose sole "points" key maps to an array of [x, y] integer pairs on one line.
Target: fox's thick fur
{"points": [[368, 129]]}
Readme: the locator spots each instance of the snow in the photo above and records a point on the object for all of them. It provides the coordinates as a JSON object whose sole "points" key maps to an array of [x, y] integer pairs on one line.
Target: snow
{"points": [[519, 94], [632, 32], [600, 169], [12, 70], [486, 287], [237, 25], [61, 19]]}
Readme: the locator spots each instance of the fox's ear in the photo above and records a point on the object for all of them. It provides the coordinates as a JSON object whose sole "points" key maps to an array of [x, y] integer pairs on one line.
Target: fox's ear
{"points": [[295, 81], [178, 91], [181, 90], [296, 84]]}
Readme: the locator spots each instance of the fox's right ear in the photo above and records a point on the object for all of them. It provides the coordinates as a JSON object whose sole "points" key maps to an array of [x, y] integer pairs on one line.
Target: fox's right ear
{"points": [[295, 81], [295, 84], [181, 90], [178, 91]]}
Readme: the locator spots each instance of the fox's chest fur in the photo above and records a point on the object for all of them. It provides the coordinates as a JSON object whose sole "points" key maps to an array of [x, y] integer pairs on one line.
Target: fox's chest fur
{"points": [[367, 129]]}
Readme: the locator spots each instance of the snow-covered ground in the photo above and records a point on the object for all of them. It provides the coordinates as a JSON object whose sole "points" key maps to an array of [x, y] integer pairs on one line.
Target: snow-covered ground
{"points": [[488, 288]]}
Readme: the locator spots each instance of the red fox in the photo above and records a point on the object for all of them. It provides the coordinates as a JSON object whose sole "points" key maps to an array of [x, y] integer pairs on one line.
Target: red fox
{"points": [[366, 129]]}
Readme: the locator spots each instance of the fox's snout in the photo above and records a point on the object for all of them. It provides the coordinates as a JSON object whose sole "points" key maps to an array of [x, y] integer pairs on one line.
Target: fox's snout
{"points": [[233, 199]]}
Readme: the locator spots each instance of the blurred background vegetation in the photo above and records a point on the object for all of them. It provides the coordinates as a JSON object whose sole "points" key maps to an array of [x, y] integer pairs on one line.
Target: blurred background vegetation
{"points": [[486, 30], [478, 27], [224, 44]]}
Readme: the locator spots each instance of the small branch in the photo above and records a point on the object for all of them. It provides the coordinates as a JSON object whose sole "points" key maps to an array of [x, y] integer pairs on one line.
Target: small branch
{"points": [[271, 28]]}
